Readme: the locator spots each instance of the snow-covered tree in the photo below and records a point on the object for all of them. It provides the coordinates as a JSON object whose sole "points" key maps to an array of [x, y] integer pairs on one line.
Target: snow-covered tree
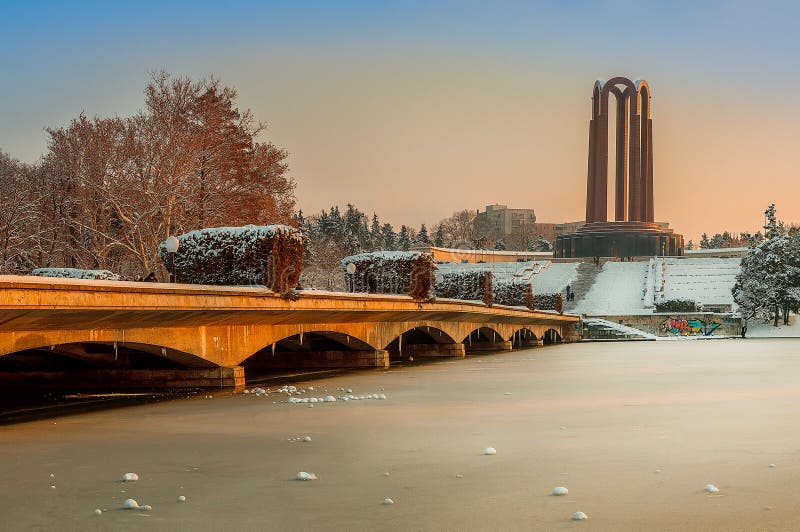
{"points": [[388, 236], [422, 236], [768, 285], [705, 243], [403, 239], [438, 237]]}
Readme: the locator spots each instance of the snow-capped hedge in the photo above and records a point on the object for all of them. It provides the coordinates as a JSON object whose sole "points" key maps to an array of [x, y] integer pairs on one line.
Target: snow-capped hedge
{"points": [[390, 272], [678, 305], [515, 294], [548, 302], [76, 273], [270, 255], [467, 285]]}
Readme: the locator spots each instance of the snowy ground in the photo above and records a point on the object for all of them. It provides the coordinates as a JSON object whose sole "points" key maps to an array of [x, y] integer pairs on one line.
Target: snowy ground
{"points": [[555, 277], [768, 330], [618, 289]]}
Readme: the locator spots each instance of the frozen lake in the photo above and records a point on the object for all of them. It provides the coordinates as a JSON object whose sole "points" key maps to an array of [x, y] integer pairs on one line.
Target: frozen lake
{"points": [[633, 430]]}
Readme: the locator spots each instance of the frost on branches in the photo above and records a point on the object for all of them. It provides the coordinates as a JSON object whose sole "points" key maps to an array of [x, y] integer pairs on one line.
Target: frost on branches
{"points": [[768, 286], [270, 255], [390, 272], [76, 273]]}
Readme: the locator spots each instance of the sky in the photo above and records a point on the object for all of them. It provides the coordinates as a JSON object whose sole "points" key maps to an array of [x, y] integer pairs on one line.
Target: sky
{"points": [[417, 109]]}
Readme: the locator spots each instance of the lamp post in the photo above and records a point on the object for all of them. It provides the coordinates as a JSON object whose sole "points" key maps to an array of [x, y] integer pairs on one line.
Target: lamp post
{"points": [[172, 244]]}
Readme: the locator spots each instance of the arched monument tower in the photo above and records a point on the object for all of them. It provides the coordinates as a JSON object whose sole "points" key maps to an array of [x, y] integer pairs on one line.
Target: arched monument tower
{"points": [[633, 232]]}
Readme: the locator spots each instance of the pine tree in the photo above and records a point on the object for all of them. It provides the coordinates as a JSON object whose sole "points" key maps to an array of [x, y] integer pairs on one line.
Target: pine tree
{"points": [[375, 235], [704, 242], [690, 245], [403, 239], [499, 245], [438, 237], [388, 237], [422, 236]]}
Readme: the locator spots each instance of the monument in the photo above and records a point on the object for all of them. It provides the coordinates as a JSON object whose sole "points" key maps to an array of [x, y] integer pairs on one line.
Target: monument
{"points": [[633, 232]]}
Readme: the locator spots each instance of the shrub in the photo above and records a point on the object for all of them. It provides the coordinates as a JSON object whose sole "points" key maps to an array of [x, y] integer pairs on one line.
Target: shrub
{"points": [[678, 305], [548, 302], [391, 272], [513, 293], [270, 255], [466, 285]]}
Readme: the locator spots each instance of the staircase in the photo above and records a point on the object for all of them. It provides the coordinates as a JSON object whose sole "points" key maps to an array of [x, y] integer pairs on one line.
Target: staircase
{"points": [[587, 273]]}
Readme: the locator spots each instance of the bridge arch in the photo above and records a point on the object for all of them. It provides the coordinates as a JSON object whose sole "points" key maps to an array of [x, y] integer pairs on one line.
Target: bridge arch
{"points": [[551, 336], [311, 349], [422, 340], [72, 343], [523, 337]]}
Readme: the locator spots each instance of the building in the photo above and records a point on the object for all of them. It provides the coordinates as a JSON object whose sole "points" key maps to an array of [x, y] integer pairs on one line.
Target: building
{"points": [[500, 222], [550, 231]]}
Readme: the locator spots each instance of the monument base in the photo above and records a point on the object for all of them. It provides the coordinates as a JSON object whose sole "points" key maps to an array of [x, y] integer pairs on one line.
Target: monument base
{"points": [[619, 239]]}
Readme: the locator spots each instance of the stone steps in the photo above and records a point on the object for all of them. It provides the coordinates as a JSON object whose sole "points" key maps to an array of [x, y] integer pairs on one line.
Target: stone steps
{"points": [[587, 274]]}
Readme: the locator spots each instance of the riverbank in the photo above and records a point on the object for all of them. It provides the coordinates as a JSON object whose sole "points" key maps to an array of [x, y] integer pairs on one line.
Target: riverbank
{"points": [[634, 430]]}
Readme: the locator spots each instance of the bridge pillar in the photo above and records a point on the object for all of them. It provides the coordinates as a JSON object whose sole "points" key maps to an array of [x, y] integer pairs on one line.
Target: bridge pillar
{"points": [[124, 379], [378, 358], [455, 350], [492, 346]]}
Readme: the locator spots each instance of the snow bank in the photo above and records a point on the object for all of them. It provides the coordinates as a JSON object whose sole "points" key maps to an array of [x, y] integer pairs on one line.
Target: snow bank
{"points": [[76, 273]]}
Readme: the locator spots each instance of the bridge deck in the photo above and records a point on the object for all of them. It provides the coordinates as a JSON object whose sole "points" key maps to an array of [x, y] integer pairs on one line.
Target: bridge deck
{"points": [[32, 303]]}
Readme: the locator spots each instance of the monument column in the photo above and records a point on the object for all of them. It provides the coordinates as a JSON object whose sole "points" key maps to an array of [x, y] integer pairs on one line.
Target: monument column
{"points": [[621, 177]]}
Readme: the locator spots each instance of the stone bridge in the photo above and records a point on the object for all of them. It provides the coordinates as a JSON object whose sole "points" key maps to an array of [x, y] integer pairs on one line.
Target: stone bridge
{"points": [[98, 333]]}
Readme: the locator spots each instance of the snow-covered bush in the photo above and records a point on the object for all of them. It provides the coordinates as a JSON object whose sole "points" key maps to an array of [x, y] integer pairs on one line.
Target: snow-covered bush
{"points": [[548, 302], [466, 285], [390, 272], [76, 273], [515, 294], [678, 305], [270, 255]]}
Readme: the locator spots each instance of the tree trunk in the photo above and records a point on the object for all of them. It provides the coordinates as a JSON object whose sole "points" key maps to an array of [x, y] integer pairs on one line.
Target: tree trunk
{"points": [[776, 315]]}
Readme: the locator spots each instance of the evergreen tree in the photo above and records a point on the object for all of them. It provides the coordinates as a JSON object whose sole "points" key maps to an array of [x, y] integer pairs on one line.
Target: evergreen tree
{"points": [[438, 237], [388, 237], [422, 236], [403, 239], [375, 235], [704, 242], [768, 284], [690, 245], [499, 245]]}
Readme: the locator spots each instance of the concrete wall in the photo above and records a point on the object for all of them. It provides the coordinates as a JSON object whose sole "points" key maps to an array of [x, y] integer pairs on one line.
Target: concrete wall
{"points": [[682, 324]]}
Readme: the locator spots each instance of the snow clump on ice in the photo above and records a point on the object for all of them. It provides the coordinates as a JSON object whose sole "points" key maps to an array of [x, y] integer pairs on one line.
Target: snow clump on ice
{"points": [[181, 498], [98, 511], [388, 501], [130, 477], [711, 488], [490, 450], [306, 438], [130, 504], [560, 490], [302, 475], [579, 516]]}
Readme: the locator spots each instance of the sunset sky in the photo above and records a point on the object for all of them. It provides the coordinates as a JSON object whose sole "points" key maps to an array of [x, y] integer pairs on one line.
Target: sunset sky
{"points": [[417, 109]]}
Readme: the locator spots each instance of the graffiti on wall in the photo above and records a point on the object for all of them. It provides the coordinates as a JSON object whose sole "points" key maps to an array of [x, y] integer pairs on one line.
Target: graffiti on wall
{"points": [[690, 327]]}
